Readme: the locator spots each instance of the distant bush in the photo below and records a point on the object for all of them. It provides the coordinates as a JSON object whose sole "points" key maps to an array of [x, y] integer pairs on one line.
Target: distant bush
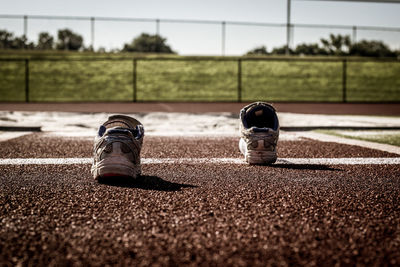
{"points": [[281, 50], [8, 41], [309, 49], [68, 40], [335, 45], [147, 43], [45, 41], [262, 50], [5, 39], [371, 49]]}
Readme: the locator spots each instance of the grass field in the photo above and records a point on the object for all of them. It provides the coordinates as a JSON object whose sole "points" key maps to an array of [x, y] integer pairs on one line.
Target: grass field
{"points": [[99, 77]]}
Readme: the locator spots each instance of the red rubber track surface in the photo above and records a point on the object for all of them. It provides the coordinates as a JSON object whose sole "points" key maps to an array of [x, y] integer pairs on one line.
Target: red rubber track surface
{"points": [[198, 214]]}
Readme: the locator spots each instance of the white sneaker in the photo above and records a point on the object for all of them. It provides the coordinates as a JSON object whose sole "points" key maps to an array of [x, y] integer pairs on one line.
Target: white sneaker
{"points": [[259, 132], [117, 148]]}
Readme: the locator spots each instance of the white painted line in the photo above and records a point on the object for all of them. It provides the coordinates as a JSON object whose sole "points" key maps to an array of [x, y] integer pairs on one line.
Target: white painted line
{"points": [[295, 161], [5, 136], [192, 160], [190, 134], [339, 161], [89, 135], [45, 161]]}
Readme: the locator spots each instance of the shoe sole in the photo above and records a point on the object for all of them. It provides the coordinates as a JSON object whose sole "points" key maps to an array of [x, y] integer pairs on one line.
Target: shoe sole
{"points": [[260, 157], [115, 166]]}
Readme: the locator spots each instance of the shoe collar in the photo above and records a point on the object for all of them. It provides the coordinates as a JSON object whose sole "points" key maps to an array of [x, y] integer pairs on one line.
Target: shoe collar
{"points": [[264, 106]]}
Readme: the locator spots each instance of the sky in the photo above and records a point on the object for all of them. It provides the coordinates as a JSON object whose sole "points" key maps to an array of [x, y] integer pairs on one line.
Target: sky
{"points": [[200, 39]]}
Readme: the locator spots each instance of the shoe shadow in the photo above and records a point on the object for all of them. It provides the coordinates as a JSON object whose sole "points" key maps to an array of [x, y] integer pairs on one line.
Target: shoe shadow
{"points": [[145, 182], [305, 167]]}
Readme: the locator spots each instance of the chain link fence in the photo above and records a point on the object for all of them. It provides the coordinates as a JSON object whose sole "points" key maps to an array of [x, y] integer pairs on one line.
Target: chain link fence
{"points": [[216, 37], [51, 79]]}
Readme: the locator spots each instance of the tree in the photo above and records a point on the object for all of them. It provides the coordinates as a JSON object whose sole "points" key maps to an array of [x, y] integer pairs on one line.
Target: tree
{"points": [[309, 49], [68, 40], [336, 44], [262, 50], [371, 49], [5, 39], [45, 41], [281, 50], [147, 43], [21, 43], [8, 41]]}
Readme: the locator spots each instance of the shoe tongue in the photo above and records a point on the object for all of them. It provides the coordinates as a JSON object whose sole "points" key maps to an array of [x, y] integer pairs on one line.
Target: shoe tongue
{"points": [[255, 116], [256, 111]]}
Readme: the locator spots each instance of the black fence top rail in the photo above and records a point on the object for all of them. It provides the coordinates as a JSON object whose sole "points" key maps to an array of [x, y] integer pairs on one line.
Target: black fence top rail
{"points": [[193, 21], [199, 58], [347, 27]]}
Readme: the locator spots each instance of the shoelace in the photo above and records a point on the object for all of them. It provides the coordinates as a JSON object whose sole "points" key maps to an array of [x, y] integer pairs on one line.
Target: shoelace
{"points": [[136, 132]]}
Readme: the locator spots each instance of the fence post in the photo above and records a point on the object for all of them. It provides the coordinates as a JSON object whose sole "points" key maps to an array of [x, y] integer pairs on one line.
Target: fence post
{"points": [[239, 89], [27, 80], [25, 29], [223, 34], [158, 27], [354, 35], [287, 52], [26, 26], [344, 81], [134, 80], [92, 32]]}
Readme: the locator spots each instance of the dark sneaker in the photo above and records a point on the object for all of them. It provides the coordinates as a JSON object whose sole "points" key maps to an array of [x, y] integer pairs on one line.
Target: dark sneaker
{"points": [[117, 148], [259, 132]]}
